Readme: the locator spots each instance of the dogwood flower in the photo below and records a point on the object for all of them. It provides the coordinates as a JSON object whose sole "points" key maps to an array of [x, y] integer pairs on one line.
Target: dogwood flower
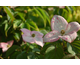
{"points": [[61, 29], [61, 6], [6, 45], [32, 36]]}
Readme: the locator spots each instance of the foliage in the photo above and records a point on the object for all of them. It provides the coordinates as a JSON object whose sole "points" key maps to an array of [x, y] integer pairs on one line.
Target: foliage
{"points": [[36, 18]]}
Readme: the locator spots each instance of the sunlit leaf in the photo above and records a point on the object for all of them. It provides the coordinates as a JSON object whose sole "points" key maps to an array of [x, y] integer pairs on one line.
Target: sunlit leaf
{"points": [[16, 23], [45, 14], [70, 49], [68, 56], [33, 25], [40, 16], [17, 36], [8, 11]]}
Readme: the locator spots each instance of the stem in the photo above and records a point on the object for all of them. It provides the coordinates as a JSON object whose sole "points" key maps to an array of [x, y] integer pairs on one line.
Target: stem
{"points": [[63, 46], [28, 48]]}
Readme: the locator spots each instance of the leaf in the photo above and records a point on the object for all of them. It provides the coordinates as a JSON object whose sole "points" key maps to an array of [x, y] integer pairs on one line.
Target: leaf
{"points": [[31, 55], [70, 49], [53, 52], [69, 56], [14, 55], [41, 16], [45, 14], [11, 50], [8, 11], [22, 55], [50, 49], [17, 36], [16, 23], [76, 46], [36, 50], [76, 57], [24, 25], [21, 15], [7, 27], [43, 31], [69, 10], [32, 25], [4, 22]]}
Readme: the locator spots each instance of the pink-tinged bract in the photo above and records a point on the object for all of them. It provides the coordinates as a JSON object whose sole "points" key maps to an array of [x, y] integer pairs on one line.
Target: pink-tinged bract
{"points": [[61, 6], [65, 31], [32, 37], [6, 45]]}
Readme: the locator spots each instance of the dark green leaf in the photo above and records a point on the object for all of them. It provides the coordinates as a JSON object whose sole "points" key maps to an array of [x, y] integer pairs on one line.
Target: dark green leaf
{"points": [[54, 52], [22, 55], [31, 55], [11, 50], [21, 15]]}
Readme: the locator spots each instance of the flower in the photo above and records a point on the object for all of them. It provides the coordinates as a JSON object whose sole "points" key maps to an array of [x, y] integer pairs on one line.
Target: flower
{"points": [[6, 45], [32, 36], [13, 6], [61, 6], [61, 29]]}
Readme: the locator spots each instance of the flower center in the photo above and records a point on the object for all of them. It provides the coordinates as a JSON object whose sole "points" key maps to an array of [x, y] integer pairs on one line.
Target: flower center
{"points": [[33, 35], [62, 32], [8, 45]]}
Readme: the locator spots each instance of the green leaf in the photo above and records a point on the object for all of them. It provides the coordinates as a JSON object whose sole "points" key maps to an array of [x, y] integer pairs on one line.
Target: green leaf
{"points": [[16, 23], [68, 8], [24, 25], [17, 36], [45, 14], [70, 49], [40, 16], [53, 52], [36, 50], [69, 56], [31, 55], [4, 22], [76, 57], [43, 31], [22, 55], [33, 25], [7, 27], [51, 48], [8, 11], [11, 50], [76, 46], [21, 15], [14, 55]]}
